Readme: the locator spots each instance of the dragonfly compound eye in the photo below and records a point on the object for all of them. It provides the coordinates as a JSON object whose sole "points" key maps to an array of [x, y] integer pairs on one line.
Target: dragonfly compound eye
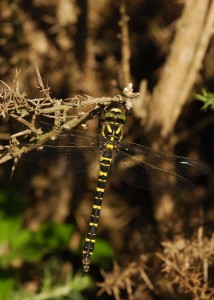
{"points": [[115, 115]]}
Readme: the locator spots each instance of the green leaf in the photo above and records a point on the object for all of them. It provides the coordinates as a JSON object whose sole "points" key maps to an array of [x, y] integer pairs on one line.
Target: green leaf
{"points": [[6, 285], [80, 282], [103, 253], [32, 246], [52, 235], [11, 208], [22, 238], [206, 98]]}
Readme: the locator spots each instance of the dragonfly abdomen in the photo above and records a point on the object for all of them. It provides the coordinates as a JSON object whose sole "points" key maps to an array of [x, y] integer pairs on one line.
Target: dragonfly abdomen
{"points": [[105, 162]]}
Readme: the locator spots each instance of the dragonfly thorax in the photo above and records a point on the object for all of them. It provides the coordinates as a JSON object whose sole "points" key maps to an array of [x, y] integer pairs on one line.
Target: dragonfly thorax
{"points": [[112, 130]]}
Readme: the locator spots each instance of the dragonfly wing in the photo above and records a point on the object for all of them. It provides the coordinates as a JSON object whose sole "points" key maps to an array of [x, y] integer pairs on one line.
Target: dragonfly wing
{"points": [[177, 165], [76, 159], [145, 176], [78, 150]]}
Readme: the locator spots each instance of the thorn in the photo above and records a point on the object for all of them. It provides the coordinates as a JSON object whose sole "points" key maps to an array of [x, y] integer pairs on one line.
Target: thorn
{"points": [[13, 167]]}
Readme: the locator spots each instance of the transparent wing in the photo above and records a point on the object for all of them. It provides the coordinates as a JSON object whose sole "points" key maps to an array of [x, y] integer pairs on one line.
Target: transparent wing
{"points": [[141, 167], [145, 176], [177, 165], [78, 149]]}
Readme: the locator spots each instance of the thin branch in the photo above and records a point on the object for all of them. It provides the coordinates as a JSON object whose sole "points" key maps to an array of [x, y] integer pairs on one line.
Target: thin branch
{"points": [[125, 46]]}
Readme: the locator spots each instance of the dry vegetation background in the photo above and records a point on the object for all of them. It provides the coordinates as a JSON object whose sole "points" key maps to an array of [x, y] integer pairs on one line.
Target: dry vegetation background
{"points": [[163, 244]]}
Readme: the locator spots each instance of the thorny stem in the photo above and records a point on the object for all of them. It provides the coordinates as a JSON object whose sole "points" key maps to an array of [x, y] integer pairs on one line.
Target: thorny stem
{"points": [[17, 106]]}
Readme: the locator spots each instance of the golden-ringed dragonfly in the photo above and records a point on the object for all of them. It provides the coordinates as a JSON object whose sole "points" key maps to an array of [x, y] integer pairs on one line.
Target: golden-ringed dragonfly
{"points": [[136, 165]]}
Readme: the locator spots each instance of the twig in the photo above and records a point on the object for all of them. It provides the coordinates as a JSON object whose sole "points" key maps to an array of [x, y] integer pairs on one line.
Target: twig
{"points": [[125, 46]]}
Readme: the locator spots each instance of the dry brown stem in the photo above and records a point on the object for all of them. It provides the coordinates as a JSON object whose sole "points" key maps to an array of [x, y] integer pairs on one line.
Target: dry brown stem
{"points": [[125, 279], [125, 46], [18, 106], [187, 263], [194, 30]]}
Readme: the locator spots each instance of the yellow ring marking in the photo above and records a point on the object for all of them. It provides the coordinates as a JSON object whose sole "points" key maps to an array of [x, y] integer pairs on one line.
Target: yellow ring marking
{"points": [[96, 207]]}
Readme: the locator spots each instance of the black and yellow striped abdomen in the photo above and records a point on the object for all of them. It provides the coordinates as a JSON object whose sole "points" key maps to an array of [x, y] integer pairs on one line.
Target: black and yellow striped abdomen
{"points": [[88, 248], [111, 134]]}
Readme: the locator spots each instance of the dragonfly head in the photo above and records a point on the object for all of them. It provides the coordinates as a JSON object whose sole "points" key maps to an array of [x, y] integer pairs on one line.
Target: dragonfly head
{"points": [[115, 115]]}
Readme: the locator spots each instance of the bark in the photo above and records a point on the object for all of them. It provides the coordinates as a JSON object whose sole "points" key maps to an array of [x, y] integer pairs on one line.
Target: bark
{"points": [[194, 30], [179, 74]]}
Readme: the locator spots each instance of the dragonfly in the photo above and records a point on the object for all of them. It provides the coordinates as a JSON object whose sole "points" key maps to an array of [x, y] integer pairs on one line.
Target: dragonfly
{"points": [[135, 164]]}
